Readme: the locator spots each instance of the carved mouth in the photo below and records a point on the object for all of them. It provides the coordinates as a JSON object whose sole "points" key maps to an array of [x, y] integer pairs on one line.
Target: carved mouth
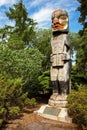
{"points": [[59, 26], [56, 25]]}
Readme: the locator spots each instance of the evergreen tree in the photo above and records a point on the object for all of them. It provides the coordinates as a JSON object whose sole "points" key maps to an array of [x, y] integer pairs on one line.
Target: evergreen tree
{"points": [[83, 13], [82, 55], [43, 44], [24, 26], [82, 46]]}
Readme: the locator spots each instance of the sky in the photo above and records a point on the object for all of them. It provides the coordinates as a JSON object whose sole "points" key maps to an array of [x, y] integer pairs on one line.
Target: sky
{"points": [[41, 10]]}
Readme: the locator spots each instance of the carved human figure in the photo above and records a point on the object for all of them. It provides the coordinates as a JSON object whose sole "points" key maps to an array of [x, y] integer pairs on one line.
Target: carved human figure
{"points": [[60, 57]]}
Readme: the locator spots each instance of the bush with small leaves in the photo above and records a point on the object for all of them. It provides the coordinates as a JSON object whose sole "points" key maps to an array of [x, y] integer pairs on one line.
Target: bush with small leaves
{"points": [[31, 102], [44, 82], [1, 122], [14, 111], [77, 105]]}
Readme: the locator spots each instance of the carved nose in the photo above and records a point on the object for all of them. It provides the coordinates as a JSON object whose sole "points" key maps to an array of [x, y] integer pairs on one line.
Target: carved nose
{"points": [[56, 21]]}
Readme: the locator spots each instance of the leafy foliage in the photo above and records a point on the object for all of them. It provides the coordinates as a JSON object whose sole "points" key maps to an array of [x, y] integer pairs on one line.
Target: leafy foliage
{"points": [[31, 102], [1, 122], [74, 42], [24, 26], [12, 98], [24, 55], [83, 13], [77, 105], [82, 54], [44, 82], [21, 65], [14, 111], [15, 42], [78, 49], [43, 44]]}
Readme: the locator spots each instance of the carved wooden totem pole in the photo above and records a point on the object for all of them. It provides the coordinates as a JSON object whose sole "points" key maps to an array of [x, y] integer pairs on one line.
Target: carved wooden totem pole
{"points": [[60, 58]]}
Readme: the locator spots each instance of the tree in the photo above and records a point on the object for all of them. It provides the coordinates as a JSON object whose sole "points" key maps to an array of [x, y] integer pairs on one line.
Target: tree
{"points": [[12, 98], [77, 105], [5, 33], [44, 82], [82, 55], [74, 44], [15, 42], [24, 26], [43, 43], [78, 56], [83, 13], [23, 63], [18, 68]]}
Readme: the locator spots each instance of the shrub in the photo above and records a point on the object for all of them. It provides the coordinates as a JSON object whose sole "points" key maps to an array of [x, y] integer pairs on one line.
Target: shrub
{"points": [[12, 98], [2, 111], [77, 105], [1, 122], [31, 102], [44, 82], [14, 111]]}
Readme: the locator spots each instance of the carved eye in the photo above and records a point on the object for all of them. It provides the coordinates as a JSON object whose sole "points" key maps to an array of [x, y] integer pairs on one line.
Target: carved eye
{"points": [[63, 19]]}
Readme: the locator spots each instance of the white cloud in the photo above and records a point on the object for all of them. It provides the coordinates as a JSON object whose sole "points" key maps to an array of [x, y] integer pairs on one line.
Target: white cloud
{"points": [[3, 2], [43, 15], [40, 10], [35, 2]]}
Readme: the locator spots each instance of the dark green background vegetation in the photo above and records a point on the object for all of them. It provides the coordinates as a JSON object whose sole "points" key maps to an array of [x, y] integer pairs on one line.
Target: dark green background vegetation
{"points": [[25, 65]]}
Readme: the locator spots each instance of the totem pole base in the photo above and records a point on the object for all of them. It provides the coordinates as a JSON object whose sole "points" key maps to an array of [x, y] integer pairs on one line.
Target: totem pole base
{"points": [[55, 109], [58, 100], [54, 113]]}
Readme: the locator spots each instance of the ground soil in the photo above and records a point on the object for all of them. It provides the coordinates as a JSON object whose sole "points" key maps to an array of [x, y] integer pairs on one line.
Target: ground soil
{"points": [[28, 117]]}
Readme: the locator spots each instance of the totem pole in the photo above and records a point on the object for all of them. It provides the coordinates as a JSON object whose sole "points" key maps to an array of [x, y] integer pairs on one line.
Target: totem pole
{"points": [[60, 57]]}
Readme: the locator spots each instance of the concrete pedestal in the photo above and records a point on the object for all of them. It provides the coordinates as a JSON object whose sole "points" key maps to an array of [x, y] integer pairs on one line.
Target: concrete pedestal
{"points": [[54, 113], [58, 100], [55, 109]]}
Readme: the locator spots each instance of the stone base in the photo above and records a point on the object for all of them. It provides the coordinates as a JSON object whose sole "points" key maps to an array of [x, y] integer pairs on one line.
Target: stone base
{"points": [[58, 100], [54, 113], [55, 109]]}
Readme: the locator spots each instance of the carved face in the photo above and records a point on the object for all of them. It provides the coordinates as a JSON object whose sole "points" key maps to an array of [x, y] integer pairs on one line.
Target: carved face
{"points": [[59, 20]]}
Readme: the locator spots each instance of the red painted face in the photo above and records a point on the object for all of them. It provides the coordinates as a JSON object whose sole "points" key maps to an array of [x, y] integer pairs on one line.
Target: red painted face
{"points": [[59, 20]]}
